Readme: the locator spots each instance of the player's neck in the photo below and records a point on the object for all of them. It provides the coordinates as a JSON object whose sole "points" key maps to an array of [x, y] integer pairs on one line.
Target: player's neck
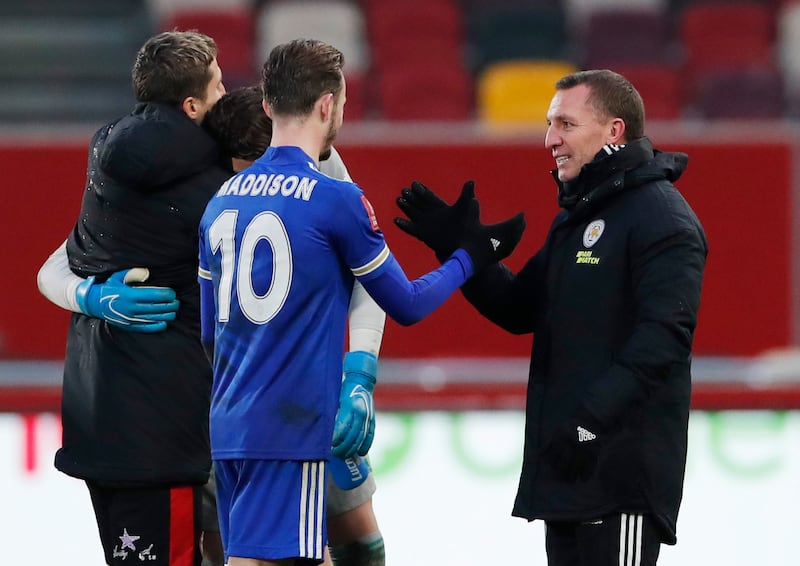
{"points": [[299, 134]]}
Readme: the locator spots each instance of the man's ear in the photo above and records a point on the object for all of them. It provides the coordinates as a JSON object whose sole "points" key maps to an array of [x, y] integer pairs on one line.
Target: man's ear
{"points": [[616, 134], [190, 107], [326, 106], [265, 106]]}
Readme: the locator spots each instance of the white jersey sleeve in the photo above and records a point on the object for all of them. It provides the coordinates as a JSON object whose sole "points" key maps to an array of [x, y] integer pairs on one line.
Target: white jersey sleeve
{"points": [[57, 282], [366, 319]]}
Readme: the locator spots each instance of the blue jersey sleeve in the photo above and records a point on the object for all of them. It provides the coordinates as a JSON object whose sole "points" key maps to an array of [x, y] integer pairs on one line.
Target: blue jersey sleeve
{"points": [[363, 248], [407, 301], [355, 231]]}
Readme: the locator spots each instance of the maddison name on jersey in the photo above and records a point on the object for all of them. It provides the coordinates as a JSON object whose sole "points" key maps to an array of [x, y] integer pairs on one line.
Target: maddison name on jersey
{"points": [[264, 185]]}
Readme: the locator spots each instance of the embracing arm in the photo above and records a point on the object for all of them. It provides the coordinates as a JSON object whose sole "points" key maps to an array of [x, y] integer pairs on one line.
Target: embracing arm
{"points": [[137, 309], [57, 282]]}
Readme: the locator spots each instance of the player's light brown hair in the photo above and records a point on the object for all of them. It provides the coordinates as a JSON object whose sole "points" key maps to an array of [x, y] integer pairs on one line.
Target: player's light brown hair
{"points": [[172, 66], [611, 96], [297, 73], [239, 124]]}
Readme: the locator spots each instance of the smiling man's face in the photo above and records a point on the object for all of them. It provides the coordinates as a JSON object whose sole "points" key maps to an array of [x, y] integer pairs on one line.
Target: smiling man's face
{"points": [[575, 133]]}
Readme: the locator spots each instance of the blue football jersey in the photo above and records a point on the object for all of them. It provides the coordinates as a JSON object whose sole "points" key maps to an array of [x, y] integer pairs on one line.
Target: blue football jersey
{"points": [[281, 243]]}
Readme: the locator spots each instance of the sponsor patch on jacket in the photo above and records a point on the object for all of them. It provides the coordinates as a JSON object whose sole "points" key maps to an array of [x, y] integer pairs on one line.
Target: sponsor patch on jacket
{"points": [[593, 232], [373, 220], [585, 256]]}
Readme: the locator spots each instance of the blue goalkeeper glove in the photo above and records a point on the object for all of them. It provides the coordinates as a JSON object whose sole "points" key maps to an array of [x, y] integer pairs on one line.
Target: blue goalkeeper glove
{"points": [[136, 309], [355, 421], [348, 473]]}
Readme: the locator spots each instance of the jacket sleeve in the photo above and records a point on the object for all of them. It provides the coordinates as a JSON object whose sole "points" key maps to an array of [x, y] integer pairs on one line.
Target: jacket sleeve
{"points": [[666, 280], [511, 301], [208, 317]]}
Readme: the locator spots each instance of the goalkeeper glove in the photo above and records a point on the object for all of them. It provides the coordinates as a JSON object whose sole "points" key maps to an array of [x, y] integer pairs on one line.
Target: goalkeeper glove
{"points": [[136, 309], [355, 420]]}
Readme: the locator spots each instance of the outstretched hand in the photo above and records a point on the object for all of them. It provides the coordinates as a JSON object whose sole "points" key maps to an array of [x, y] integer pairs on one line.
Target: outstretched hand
{"points": [[488, 244], [431, 220], [444, 228]]}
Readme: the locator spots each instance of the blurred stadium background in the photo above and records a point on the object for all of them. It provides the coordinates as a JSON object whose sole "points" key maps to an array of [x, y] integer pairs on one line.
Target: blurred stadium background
{"points": [[442, 91]]}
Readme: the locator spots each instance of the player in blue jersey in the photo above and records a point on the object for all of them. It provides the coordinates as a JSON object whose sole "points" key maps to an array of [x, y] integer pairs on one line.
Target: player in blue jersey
{"points": [[243, 130], [281, 245]]}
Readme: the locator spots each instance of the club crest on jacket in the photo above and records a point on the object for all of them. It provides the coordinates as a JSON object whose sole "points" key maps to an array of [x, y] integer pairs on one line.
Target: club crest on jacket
{"points": [[593, 232]]}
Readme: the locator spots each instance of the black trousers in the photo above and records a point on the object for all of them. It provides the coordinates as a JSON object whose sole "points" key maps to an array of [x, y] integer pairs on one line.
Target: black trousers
{"points": [[613, 540], [154, 526]]}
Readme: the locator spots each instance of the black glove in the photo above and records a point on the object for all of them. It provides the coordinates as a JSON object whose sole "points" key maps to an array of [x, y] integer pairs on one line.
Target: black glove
{"points": [[489, 244], [431, 220], [574, 448], [444, 228]]}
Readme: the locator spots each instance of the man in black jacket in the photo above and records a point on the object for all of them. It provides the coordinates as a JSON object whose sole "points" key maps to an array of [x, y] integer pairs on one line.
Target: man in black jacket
{"points": [[612, 299], [135, 404]]}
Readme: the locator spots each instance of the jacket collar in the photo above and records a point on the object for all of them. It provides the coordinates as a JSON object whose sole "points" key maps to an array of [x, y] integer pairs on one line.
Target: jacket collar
{"points": [[609, 160], [614, 169]]}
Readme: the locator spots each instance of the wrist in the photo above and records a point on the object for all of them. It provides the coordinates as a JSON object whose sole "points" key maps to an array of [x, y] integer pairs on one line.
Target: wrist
{"points": [[362, 366], [83, 294], [465, 260]]}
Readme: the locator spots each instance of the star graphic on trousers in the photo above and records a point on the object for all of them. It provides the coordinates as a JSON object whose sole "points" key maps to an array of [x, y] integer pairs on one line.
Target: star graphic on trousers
{"points": [[128, 540]]}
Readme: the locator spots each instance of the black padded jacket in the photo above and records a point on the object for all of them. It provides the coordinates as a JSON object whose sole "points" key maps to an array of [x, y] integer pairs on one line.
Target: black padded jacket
{"points": [[135, 406], [612, 299]]}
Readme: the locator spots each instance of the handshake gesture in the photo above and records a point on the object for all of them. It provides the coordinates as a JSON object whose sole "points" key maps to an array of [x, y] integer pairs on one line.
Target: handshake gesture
{"points": [[445, 228]]}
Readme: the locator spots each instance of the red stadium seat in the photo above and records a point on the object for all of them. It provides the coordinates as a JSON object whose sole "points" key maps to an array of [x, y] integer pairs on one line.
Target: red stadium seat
{"points": [[754, 94], [425, 93], [727, 35], [414, 31], [724, 36], [648, 38], [659, 86]]}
